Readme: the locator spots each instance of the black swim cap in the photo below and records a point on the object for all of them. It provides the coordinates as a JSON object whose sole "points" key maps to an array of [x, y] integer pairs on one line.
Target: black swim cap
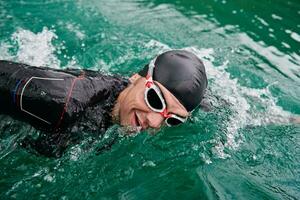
{"points": [[183, 74]]}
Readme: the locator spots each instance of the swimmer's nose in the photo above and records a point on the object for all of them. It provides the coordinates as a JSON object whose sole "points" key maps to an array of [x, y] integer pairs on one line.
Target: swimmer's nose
{"points": [[154, 120]]}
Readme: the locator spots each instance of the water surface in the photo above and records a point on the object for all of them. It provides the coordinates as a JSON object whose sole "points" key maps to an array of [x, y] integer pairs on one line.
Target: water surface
{"points": [[245, 148]]}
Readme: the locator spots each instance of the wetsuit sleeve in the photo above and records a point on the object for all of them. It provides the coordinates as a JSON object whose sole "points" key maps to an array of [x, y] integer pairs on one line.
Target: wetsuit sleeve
{"points": [[49, 99], [35, 95]]}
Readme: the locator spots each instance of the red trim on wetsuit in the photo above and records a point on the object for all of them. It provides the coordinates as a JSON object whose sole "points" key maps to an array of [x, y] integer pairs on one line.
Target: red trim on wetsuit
{"points": [[68, 99]]}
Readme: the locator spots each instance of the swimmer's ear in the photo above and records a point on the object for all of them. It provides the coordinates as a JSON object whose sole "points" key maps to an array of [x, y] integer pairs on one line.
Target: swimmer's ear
{"points": [[134, 78]]}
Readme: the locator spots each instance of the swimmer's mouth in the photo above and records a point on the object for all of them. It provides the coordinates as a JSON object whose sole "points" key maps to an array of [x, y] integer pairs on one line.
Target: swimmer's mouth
{"points": [[135, 125], [137, 120]]}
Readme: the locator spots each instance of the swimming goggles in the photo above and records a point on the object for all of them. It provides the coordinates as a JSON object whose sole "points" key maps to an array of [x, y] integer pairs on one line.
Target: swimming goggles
{"points": [[155, 100]]}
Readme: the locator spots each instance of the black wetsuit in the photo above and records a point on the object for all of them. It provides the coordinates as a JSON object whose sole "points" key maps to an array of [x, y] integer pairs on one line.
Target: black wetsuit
{"points": [[61, 103]]}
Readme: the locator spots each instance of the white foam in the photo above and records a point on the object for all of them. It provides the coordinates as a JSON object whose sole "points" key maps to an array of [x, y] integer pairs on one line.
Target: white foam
{"points": [[276, 17], [149, 163], [4, 51], [76, 30], [286, 45], [205, 158], [75, 152], [49, 178], [295, 36], [238, 96], [218, 149], [34, 48], [261, 20]]}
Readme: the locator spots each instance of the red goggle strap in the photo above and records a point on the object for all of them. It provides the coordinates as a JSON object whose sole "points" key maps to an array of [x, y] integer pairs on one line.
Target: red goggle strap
{"points": [[164, 113], [149, 81]]}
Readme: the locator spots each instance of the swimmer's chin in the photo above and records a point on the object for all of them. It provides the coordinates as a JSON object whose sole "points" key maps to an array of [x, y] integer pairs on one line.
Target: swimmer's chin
{"points": [[127, 129], [132, 130]]}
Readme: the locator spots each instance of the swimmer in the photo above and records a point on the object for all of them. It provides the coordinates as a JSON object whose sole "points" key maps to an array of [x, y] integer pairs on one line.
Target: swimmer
{"points": [[63, 104]]}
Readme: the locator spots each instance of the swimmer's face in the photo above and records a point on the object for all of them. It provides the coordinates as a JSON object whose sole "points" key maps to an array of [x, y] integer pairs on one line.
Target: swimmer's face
{"points": [[133, 110]]}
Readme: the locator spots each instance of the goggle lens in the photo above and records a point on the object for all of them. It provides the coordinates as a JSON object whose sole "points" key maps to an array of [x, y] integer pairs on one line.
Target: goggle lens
{"points": [[154, 100], [171, 121]]}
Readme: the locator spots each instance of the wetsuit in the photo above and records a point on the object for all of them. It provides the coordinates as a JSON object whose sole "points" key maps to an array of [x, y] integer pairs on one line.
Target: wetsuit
{"points": [[61, 103]]}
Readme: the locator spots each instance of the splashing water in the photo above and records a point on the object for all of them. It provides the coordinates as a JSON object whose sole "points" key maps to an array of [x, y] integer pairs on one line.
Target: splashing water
{"points": [[33, 49], [238, 95]]}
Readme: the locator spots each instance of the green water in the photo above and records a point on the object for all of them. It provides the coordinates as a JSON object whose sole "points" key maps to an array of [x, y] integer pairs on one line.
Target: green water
{"points": [[245, 148]]}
